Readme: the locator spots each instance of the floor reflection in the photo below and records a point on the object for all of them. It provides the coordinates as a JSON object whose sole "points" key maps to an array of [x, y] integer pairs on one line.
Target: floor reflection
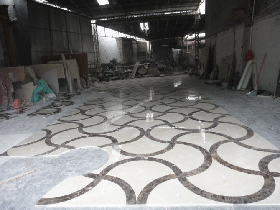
{"points": [[167, 144]]}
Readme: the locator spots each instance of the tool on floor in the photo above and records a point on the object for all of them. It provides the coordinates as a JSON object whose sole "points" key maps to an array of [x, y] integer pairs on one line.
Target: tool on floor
{"points": [[261, 69], [16, 177]]}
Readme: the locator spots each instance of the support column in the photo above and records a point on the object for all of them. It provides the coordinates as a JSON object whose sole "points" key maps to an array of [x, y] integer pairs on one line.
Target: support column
{"points": [[197, 39], [96, 47], [21, 32]]}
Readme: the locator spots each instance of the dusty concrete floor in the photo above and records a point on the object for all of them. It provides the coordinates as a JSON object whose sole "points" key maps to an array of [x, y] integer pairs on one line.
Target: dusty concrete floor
{"points": [[260, 114]]}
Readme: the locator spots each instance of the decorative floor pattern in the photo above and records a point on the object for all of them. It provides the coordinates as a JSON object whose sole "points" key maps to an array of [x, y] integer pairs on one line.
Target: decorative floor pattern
{"points": [[167, 145]]}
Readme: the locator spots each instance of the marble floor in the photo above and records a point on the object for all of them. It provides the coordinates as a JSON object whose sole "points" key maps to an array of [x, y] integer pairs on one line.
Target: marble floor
{"points": [[168, 146]]}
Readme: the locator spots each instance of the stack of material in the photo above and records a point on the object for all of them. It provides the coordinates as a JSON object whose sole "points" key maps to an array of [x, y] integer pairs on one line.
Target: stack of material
{"points": [[51, 73], [26, 91], [134, 70], [153, 68], [15, 74], [82, 60], [142, 70], [24, 88], [6, 89], [74, 75]]}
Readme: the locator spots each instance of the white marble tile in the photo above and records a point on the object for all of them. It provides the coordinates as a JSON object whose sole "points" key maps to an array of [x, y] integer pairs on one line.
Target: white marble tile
{"points": [[233, 131], [206, 116], [185, 111], [35, 137], [124, 118], [126, 134], [95, 111], [144, 146], [240, 156], [68, 186], [172, 117], [91, 121], [274, 165], [102, 128], [185, 157], [202, 139], [104, 194], [30, 150], [61, 127], [75, 117], [65, 136], [58, 152], [204, 106], [165, 133], [221, 180], [258, 142], [193, 124], [146, 124], [138, 174], [173, 193], [90, 142], [273, 199]]}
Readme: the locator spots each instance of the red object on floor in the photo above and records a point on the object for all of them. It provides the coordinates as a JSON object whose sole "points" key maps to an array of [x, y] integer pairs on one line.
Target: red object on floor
{"points": [[249, 56], [17, 103]]}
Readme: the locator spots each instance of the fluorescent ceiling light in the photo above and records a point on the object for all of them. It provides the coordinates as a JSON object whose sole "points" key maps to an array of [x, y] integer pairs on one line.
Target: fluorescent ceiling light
{"points": [[103, 2]]}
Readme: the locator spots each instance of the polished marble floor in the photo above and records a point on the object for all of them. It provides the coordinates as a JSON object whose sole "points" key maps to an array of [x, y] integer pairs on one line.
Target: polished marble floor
{"points": [[168, 146]]}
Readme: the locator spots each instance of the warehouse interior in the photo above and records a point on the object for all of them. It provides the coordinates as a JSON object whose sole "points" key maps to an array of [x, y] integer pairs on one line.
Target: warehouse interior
{"points": [[152, 104]]}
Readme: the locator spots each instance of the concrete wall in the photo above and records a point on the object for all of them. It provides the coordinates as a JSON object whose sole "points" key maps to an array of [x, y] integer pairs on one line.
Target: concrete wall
{"points": [[19, 34], [266, 39], [19, 13], [142, 51], [54, 31], [1, 54], [129, 49], [218, 14], [125, 50], [162, 52], [224, 14], [108, 49]]}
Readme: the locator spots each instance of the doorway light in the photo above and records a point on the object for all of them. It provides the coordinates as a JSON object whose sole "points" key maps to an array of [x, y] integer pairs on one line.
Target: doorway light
{"points": [[144, 26], [103, 2]]}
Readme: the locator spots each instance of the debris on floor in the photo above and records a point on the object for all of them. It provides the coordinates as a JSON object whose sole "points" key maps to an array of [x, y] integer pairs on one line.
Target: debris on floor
{"points": [[61, 103], [5, 116], [11, 113], [260, 93], [42, 91], [214, 82], [36, 83], [48, 110], [61, 100]]}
